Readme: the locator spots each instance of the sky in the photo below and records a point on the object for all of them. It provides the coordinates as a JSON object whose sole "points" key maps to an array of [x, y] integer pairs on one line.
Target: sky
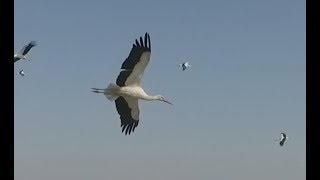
{"points": [[247, 84]]}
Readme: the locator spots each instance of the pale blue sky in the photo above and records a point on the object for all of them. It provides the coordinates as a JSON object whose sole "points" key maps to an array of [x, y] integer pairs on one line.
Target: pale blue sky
{"points": [[246, 85]]}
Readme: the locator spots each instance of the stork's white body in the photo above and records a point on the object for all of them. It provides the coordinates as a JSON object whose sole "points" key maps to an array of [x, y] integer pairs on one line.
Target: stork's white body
{"points": [[20, 56], [113, 91], [133, 92], [127, 90]]}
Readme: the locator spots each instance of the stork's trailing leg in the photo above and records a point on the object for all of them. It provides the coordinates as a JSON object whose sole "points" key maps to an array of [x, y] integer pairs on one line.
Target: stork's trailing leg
{"points": [[110, 92]]}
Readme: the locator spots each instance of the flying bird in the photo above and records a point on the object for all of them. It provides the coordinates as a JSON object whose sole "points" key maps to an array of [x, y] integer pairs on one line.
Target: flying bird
{"points": [[23, 52], [21, 73], [127, 90], [184, 65], [283, 138]]}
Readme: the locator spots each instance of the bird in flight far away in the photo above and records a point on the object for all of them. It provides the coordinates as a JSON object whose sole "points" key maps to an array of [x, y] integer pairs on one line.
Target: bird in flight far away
{"points": [[21, 73], [23, 52], [283, 138], [184, 65]]}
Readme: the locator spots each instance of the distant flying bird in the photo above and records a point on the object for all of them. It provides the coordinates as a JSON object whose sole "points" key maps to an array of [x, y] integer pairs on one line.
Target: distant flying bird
{"points": [[23, 52], [184, 65], [21, 73], [283, 138], [127, 90]]}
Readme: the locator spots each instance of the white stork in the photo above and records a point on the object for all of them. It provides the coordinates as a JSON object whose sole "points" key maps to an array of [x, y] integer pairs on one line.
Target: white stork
{"points": [[184, 65], [23, 52], [283, 138], [127, 90], [21, 73]]}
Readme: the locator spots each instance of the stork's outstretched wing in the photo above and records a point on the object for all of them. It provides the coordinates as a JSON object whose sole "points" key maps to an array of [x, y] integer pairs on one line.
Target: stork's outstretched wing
{"points": [[27, 47], [128, 109], [136, 63]]}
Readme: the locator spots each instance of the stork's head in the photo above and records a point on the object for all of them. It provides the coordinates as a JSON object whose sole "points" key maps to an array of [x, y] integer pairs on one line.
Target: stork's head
{"points": [[161, 98]]}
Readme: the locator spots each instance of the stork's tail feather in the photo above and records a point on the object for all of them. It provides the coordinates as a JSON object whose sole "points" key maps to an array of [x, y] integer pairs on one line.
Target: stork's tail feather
{"points": [[110, 92]]}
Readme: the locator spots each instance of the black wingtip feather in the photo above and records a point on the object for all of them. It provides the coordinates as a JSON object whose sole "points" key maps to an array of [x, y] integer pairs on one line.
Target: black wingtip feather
{"points": [[127, 129], [137, 50], [149, 42], [141, 42], [137, 43], [33, 43], [145, 40]]}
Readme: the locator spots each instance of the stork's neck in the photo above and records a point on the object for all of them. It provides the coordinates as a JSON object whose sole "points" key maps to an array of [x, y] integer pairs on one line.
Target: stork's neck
{"points": [[150, 98]]}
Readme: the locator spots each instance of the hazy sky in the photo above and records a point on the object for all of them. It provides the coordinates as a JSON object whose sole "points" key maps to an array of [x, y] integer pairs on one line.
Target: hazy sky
{"points": [[246, 86]]}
